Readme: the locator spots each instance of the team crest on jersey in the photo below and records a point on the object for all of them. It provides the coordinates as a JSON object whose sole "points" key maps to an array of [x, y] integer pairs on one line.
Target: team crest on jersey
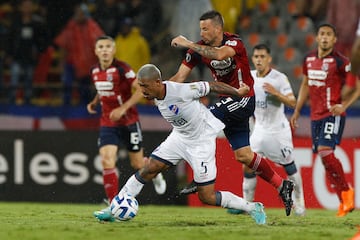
{"points": [[174, 109], [109, 77], [325, 67]]}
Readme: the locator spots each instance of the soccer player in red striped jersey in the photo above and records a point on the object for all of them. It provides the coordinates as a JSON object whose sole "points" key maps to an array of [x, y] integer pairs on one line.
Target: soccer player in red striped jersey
{"points": [[225, 55], [114, 81], [325, 71]]}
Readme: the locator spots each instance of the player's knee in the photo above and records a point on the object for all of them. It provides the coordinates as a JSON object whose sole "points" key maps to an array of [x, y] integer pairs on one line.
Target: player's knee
{"points": [[244, 155], [107, 162]]}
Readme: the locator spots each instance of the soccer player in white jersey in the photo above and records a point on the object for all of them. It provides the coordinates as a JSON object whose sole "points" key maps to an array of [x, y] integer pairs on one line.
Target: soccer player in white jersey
{"points": [[271, 136], [193, 138]]}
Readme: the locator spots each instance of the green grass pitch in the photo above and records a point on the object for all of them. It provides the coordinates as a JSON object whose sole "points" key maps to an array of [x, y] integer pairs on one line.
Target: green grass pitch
{"points": [[75, 222]]}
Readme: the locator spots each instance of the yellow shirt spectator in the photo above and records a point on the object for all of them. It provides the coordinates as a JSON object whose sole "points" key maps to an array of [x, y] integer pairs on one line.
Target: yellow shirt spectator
{"points": [[132, 47]]}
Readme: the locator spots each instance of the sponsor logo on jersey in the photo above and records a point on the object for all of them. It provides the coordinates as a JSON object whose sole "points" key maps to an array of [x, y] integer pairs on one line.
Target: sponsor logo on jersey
{"points": [[317, 74], [104, 86], [223, 64], [261, 104], [106, 93], [231, 43], [316, 83], [174, 109]]}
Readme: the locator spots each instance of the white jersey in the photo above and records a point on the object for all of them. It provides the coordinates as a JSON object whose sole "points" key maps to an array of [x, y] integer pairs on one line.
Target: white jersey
{"points": [[193, 137], [269, 111], [358, 29], [181, 107], [271, 136]]}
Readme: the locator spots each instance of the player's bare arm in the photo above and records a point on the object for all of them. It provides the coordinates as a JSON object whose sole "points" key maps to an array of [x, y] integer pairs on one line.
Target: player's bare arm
{"points": [[302, 97], [120, 111], [218, 53], [92, 105], [182, 74], [288, 100], [223, 88], [355, 57], [353, 95]]}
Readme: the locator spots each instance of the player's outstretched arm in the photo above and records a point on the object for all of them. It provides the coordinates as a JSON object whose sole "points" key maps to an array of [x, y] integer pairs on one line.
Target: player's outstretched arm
{"points": [[217, 53], [182, 74], [223, 88]]}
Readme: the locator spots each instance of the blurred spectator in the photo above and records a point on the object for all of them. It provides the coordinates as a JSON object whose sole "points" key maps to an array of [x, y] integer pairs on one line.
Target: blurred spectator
{"points": [[107, 14], [147, 15], [344, 16], [314, 9], [56, 13], [230, 10], [131, 46], [76, 42], [26, 40], [5, 9], [185, 21]]}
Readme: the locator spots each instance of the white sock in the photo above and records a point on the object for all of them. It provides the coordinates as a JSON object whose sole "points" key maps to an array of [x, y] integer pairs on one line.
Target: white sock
{"points": [[132, 186], [298, 189], [230, 200], [158, 178], [249, 185]]}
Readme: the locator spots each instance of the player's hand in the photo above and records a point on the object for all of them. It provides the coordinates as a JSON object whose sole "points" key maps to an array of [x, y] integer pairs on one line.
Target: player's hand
{"points": [[180, 41], [117, 113], [293, 120], [91, 108], [337, 109], [269, 89], [243, 90]]}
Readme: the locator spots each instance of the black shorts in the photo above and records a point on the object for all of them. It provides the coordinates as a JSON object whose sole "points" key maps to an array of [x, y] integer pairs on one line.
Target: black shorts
{"points": [[128, 136], [235, 113]]}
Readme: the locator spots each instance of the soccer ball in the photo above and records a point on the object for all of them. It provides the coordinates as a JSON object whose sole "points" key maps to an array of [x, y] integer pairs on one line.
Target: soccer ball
{"points": [[124, 207]]}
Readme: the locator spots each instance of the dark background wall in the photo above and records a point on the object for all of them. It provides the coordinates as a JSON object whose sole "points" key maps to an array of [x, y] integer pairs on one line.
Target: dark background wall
{"points": [[64, 166]]}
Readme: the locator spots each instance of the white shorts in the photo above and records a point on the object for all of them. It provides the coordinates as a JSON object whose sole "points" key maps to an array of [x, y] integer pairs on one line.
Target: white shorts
{"points": [[199, 153], [277, 146]]}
